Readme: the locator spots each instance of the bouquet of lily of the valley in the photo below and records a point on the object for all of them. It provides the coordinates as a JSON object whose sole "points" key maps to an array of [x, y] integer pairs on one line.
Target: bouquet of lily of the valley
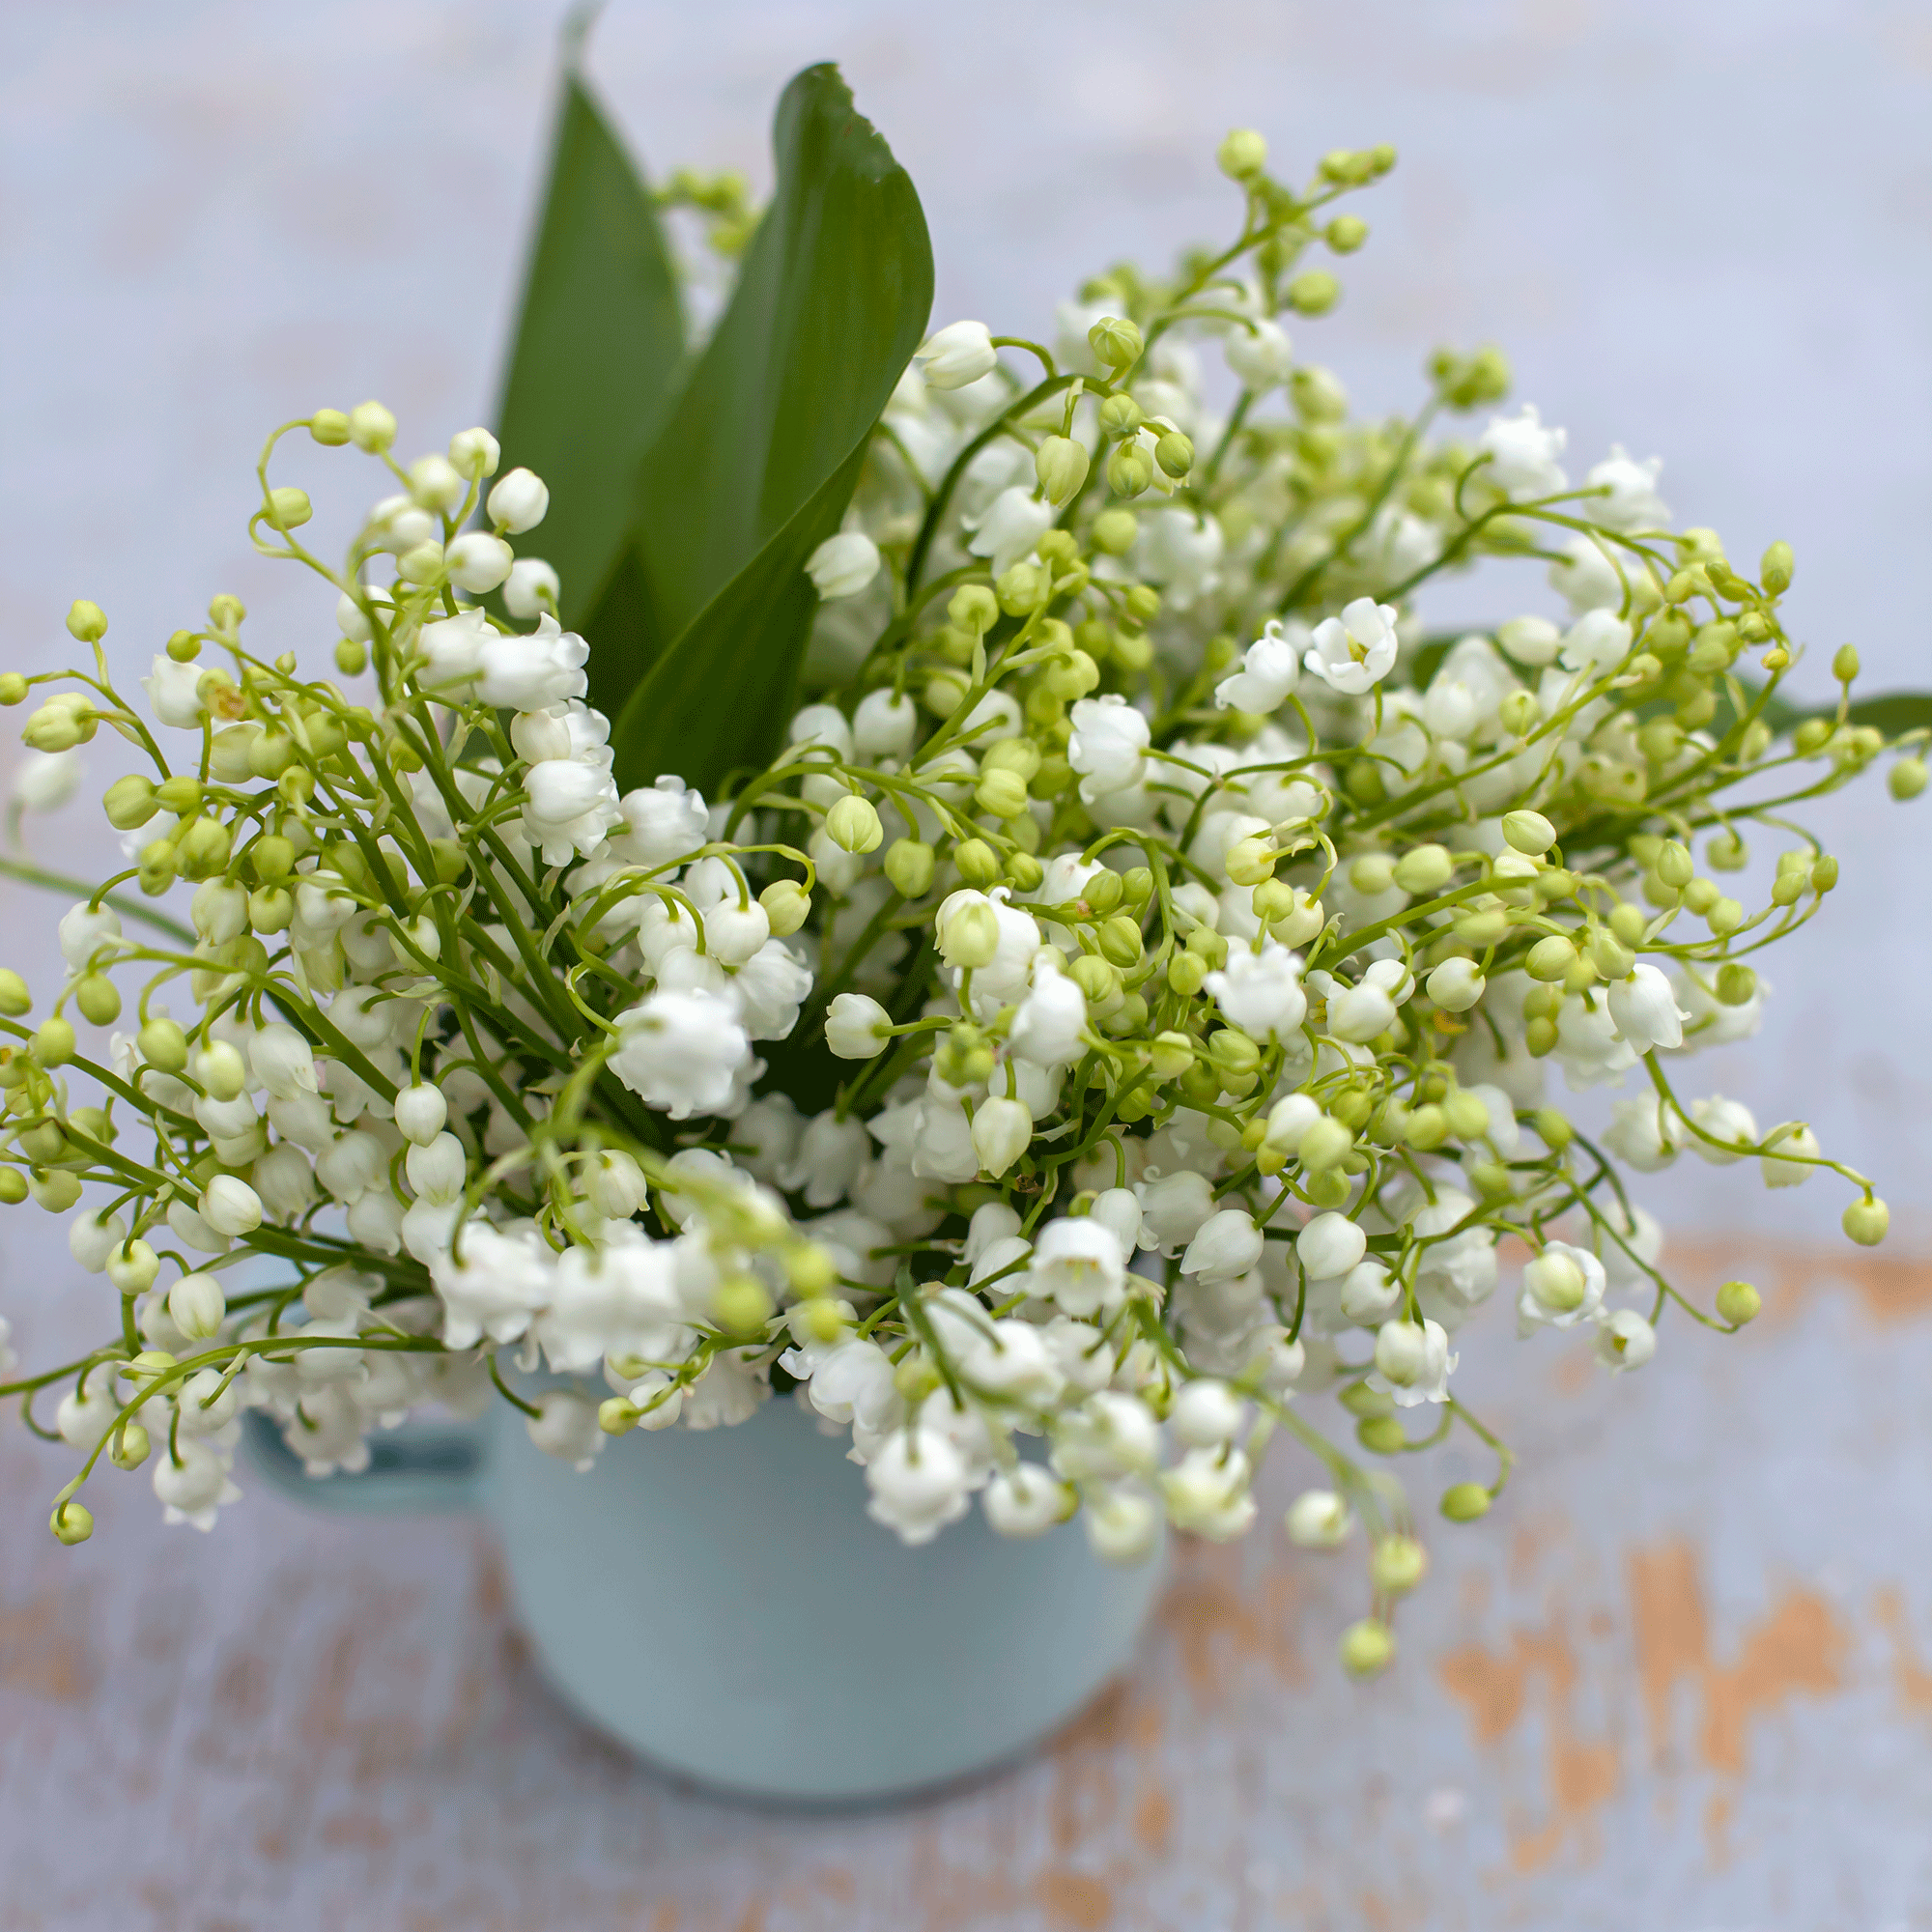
{"points": [[940, 875]]}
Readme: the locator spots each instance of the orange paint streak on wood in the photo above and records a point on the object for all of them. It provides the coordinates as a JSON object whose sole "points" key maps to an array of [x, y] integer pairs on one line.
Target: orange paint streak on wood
{"points": [[1584, 1774], [1153, 1820], [1910, 1678], [1718, 1830], [1667, 1606], [43, 1648], [1889, 1288], [1798, 1647], [1073, 1901]]}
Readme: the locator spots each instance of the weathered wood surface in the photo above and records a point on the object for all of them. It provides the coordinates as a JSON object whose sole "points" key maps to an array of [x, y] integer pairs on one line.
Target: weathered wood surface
{"points": [[1681, 1679]]}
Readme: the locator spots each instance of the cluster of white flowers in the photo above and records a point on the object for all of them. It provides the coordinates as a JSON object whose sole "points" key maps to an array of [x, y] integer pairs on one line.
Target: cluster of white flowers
{"points": [[1170, 941]]}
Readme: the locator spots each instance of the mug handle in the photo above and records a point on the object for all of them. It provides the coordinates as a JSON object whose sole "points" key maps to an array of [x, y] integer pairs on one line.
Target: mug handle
{"points": [[423, 1469]]}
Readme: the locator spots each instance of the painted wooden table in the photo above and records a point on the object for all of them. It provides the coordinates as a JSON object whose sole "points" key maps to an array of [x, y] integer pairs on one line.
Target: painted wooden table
{"points": [[1680, 1680]]}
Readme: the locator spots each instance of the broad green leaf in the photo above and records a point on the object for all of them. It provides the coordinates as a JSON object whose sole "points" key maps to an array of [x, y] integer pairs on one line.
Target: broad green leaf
{"points": [[1895, 711], [598, 350], [759, 457]]}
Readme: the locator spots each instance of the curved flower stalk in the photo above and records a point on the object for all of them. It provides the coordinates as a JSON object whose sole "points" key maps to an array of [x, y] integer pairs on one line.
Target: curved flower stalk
{"points": [[1122, 1012]]}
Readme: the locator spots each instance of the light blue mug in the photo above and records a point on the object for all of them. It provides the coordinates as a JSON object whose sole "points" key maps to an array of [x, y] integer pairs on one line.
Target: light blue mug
{"points": [[722, 1603]]}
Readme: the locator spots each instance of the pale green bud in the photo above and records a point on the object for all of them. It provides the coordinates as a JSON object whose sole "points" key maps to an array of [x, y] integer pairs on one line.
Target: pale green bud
{"points": [[786, 904], [129, 803], [853, 824], [371, 427], [974, 607], [98, 999], [1425, 869], [54, 1043], [1243, 153], [971, 936], [1116, 342], [289, 507], [1397, 1565], [1367, 1647], [1465, 1502], [1528, 833], [54, 727], [72, 1523], [86, 621], [1115, 531], [1777, 568], [1002, 794], [15, 998], [909, 865], [1845, 663], [329, 428], [1867, 1221], [1175, 453], [1129, 469], [1907, 779], [1061, 463], [1313, 291], [1739, 1302], [164, 1045]]}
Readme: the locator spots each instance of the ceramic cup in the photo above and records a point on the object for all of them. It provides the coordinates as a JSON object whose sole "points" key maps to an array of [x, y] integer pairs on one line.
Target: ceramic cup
{"points": [[720, 1602]]}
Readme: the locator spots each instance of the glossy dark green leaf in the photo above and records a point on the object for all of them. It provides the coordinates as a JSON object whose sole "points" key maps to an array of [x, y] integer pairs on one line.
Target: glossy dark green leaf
{"points": [[598, 350], [758, 459]]}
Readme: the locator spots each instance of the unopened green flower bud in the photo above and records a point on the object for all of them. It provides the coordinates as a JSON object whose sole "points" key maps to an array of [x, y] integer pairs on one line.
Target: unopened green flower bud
{"points": [[1345, 234], [974, 607], [1738, 1302], [98, 999], [54, 1043], [1397, 1565], [1120, 940], [1170, 1055], [1142, 604], [371, 427], [1845, 663], [180, 795], [54, 727], [1114, 531], [55, 1191], [164, 1045], [1061, 463], [1250, 861], [15, 998], [909, 865], [202, 849], [1725, 915], [129, 1447], [742, 1304], [329, 428], [1775, 568], [1465, 1502], [72, 1523], [1002, 793], [86, 621], [1528, 833], [1325, 1143], [1313, 291], [1867, 1221], [271, 909], [853, 824], [1025, 588], [618, 1416], [1186, 973], [1367, 1648], [1424, 869], [1175, 453], [289, 507], [976, 863], [1243, 153], [1906, 779], [1129, 469], [1824, 874], [1610, 956], [13, 1187], [1121, 415], [129, 803], [1549, 958], [1116, 342], [1426, 1128], [1466, 1113], [787, 904]]}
